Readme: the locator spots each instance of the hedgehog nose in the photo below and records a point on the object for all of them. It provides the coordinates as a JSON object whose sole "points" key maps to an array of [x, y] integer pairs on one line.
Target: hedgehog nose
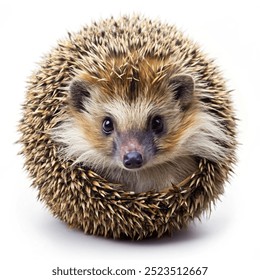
{"points": [[133, 160]]}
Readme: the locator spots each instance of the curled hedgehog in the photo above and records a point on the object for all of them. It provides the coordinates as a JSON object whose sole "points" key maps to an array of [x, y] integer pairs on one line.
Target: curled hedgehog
{"points": [[133, 101]]}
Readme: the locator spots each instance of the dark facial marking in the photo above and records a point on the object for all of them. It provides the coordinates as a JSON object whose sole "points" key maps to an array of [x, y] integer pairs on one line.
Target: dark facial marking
{"points": [[183, 88], [133, 87], [79, 92]]}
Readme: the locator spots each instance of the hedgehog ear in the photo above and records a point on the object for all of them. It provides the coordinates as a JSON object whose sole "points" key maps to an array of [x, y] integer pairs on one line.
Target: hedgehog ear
{"points": [[79, 91], [183, 88]]}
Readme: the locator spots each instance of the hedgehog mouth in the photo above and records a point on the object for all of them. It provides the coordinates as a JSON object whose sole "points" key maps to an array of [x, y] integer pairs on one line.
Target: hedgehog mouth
{"points": [[134, 169]]}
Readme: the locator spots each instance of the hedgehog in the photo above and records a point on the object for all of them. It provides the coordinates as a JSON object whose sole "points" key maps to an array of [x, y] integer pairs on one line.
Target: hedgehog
{"points": [[125, 109]]}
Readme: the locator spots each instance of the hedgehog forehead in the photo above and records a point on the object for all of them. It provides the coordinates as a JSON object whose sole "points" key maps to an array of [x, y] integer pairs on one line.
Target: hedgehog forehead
{"points": [[130, 90], [128, 76], [129, 116]]}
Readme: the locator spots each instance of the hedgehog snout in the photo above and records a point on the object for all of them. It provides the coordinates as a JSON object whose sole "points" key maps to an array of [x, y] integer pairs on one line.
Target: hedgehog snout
{"points": [[133, 160], [131, 151]]}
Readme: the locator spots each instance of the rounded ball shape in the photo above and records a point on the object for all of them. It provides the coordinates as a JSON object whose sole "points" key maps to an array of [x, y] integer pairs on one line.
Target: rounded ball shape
{"points": [[79, 196]]}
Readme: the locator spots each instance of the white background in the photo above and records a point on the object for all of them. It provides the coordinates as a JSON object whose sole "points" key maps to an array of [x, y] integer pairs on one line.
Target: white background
{"points": [[33, 242]]}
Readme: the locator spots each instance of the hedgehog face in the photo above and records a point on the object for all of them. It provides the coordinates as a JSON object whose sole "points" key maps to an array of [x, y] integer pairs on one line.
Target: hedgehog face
{"points": [[132, 121], [138, 121]]}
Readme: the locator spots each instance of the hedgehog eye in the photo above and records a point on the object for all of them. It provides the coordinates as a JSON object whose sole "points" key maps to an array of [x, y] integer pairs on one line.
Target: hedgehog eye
{"points": [[157, 124], [108, 125]]}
